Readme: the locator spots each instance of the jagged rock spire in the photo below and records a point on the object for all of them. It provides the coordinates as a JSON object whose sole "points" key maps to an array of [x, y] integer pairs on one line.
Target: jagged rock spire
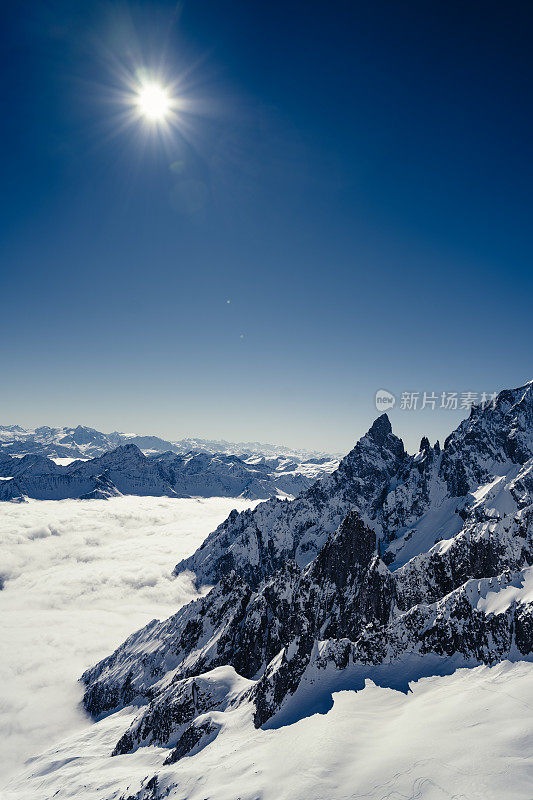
{"points": [[424, 444], [380, 429]]}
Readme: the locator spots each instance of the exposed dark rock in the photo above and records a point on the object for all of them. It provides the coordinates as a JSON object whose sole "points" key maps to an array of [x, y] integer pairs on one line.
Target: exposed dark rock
{"points": [[193, 739]]}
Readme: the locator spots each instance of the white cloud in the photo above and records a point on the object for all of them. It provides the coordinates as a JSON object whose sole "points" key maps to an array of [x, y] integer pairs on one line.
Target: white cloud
{"points": [[79, 577]]}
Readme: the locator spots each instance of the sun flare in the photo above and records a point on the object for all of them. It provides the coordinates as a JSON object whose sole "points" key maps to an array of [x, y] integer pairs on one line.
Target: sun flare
{"points": [[154, 102]]}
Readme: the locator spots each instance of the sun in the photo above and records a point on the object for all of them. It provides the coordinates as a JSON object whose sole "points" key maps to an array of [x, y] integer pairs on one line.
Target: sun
{"points": [[154, 102]]}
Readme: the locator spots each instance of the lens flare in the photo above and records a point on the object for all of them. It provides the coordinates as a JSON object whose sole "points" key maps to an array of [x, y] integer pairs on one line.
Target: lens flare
{"points": [[154, 102]]}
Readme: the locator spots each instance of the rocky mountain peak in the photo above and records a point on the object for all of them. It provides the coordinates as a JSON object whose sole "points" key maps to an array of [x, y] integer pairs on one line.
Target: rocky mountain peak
{"points": [[130, 449], [424, 444], [492, 438], [380, 429]]}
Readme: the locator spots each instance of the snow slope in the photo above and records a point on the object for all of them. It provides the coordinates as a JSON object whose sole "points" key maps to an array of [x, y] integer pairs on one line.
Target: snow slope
{"points": [[467, 736]]}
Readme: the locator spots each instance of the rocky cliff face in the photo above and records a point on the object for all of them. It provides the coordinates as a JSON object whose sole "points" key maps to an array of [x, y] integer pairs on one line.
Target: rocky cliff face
{"points": [[393, 567]]}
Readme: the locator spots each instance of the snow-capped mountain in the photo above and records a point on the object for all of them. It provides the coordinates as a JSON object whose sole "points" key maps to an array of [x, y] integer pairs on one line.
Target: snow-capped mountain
{"points": [[79, 442], [84, 442], [410, 501], [127, 470], [392, 568], [304, 599]]}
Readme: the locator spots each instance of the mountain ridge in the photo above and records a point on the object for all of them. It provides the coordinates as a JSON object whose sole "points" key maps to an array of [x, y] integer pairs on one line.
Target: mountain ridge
{"points": [[127, 470], [396, 492], [86, 442], [292, 628]]}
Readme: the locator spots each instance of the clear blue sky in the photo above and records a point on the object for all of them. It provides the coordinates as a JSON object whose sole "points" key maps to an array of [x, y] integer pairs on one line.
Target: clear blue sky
{"points": [[354, 177]]}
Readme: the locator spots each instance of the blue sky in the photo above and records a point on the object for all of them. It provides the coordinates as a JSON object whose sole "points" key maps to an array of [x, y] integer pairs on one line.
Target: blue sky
{"points": [[354, 178]]}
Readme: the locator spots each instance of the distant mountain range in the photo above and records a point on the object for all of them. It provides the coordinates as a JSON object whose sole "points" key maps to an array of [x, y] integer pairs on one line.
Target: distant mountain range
{"points": [[84, 442], [127, 470]]}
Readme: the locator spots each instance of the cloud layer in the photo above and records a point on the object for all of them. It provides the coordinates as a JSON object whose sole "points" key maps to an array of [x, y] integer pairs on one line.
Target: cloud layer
{"points": [[78, 577]]}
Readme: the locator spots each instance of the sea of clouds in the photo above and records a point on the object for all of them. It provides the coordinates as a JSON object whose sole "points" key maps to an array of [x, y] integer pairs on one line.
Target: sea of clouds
{"points": [[78, 577]]}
